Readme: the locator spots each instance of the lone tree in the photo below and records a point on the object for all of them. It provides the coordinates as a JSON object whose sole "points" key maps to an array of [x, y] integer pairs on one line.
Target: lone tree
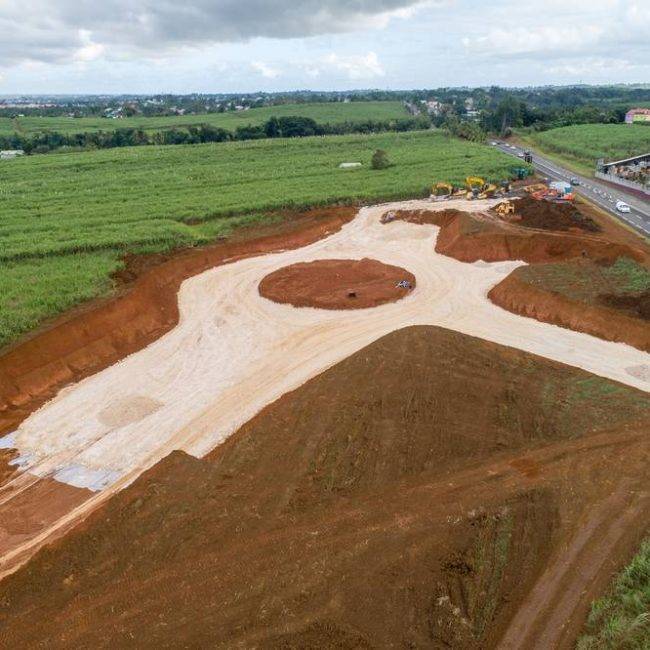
{"points": [[379, 160]]}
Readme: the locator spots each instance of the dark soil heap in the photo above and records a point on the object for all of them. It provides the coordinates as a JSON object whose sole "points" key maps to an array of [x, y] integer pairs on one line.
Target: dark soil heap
{"points": [[637, 305], [547, 215]]}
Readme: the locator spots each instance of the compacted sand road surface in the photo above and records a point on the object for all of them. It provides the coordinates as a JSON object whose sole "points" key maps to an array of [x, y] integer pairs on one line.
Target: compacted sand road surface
{"points": [[233, 352]]}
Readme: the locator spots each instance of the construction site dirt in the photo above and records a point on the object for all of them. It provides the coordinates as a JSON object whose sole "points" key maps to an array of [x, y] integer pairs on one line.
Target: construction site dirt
{"points": [[337, 284], [101, 333], [455, 469], [470, 237], [410, 496], [612, 320], [548, 215]]}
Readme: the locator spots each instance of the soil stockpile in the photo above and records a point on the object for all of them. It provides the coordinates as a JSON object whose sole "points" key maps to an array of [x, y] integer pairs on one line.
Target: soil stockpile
{"points": [[337, 284], [547, 215], [471, 237], [99, 334], [409, 496]]}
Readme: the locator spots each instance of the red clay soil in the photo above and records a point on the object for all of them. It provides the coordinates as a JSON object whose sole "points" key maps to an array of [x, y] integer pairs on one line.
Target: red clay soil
{"points": [[102, 332], [414, 495], [6, 470], [470, 238], [473, 237], [610, 324], [336, 284], [29, 506], [636, 305]]}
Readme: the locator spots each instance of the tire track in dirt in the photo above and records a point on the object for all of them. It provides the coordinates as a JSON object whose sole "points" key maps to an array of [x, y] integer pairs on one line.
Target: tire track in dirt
{"points": [[365, 485], [554, 611]]}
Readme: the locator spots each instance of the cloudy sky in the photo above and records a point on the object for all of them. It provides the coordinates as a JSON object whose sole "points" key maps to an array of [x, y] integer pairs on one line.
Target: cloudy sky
{"points": [[149, 46]]}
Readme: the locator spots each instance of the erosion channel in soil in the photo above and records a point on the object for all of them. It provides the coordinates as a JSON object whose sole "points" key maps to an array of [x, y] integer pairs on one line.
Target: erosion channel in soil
{"points": [[413, 495], [337, 284]]}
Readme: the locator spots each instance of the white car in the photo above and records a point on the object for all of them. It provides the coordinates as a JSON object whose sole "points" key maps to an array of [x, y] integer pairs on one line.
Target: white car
{"points": [[621, 206]]}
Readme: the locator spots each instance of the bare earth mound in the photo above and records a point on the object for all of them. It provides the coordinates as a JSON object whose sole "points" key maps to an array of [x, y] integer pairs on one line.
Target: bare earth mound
{"points": [[337, 284], [410, 496], [482, 236], [552, 216]]}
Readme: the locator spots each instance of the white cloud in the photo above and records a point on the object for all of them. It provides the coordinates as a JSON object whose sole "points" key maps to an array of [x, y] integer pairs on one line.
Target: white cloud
{"points": [[89, 50], [585, 28], [58, 31], [265, 70], [365, 66], [589, 66]]}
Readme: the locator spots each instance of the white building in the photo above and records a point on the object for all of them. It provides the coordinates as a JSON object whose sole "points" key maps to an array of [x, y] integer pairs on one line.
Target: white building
{"points": [[7, 154]]}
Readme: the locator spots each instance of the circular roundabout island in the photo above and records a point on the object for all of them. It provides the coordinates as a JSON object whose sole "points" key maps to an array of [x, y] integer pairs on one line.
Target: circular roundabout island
{"points": [[337, 284]]}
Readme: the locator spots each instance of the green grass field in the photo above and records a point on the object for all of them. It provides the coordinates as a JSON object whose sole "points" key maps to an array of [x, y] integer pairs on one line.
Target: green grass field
{"points": [[582, 145], [621, 619], [331, 113], [586, 281], [66, 220]]}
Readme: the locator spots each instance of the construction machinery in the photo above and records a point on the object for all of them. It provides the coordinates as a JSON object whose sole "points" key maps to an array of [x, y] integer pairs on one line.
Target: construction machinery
{"points": [[536, 187], [505, 208], [474, 185], [520, 172], [487, 191], [441, 191]]}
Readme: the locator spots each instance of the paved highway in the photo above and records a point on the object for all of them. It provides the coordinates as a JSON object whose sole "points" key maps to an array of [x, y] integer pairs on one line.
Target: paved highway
{"points": [[603, 195]]}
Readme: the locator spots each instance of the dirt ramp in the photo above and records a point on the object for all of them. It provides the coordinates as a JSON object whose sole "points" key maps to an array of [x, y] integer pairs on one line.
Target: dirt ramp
{"points": [[337, 284], [469, 240], [409, 496]]}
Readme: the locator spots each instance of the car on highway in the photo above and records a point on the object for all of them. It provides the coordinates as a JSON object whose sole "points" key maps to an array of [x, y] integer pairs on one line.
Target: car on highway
{"points": [[574, 181], [621, 206]]}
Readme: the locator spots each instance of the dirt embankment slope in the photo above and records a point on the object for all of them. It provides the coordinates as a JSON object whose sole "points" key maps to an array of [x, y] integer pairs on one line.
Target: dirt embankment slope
{"points": [[410, 496], [337, 284], [100, 334], [470, 238], [520, 296], [546, 233]]}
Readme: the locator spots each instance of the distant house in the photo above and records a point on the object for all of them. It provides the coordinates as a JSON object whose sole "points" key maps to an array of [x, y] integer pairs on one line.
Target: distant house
{"points": [[7, 154], [637, 115], [433, 107]]}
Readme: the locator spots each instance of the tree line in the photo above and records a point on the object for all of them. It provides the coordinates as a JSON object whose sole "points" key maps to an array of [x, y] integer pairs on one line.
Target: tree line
{"points": [[275, 127]]}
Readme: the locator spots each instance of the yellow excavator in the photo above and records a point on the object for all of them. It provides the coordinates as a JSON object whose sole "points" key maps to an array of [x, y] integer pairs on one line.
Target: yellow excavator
{"points": [[442, 191], [474, 185], [478, 188], [488, 191]]}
